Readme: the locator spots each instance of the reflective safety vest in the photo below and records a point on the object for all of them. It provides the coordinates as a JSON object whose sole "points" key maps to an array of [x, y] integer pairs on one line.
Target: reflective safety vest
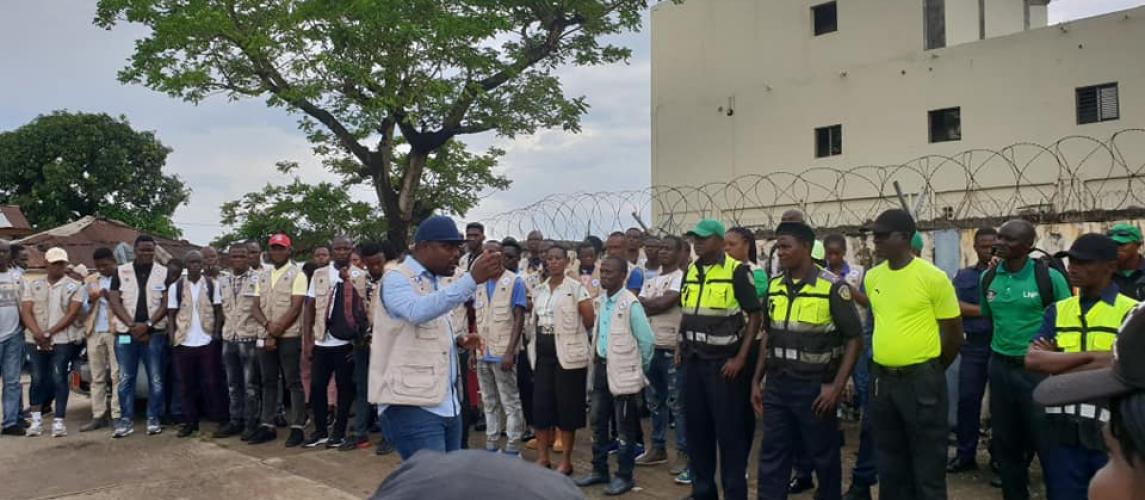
{"points": [[1093, 331], [802, 340], [712, 321]]}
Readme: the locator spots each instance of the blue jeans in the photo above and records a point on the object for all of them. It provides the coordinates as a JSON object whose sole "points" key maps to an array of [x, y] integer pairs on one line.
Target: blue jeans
{"points": [[50, 370], [11, 361], [662, 394], [412, 429], [153, 354], [1069, 469], [865, 472]]}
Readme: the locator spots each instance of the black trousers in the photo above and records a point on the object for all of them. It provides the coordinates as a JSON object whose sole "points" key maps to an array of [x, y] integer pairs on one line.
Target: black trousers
{"points": [[525, 386], [909, 406], [1019, 425], [714, 417], [339, 362]]}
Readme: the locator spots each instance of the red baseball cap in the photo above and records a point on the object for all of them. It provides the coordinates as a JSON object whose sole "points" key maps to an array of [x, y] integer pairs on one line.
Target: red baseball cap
{"points": [[280, 239]]}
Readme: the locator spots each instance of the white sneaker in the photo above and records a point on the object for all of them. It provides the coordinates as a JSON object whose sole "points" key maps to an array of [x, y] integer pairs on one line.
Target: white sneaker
{"points": [[123, 430], [36, 429], [58, 429]]}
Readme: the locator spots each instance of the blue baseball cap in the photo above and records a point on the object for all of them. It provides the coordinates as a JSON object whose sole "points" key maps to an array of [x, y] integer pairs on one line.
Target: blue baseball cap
{"points": [[438, 228]]}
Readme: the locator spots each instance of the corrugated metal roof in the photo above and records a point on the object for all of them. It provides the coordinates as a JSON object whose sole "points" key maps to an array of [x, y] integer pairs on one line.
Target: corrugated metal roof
{"points": [[82, 237], [12, 217]]}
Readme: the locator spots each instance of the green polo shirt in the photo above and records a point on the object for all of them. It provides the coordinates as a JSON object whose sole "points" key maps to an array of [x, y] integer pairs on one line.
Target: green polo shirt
{"points": [[1014, 306]]}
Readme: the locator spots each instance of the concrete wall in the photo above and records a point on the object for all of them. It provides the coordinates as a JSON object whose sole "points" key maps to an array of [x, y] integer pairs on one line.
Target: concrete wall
{"points": [[738, 87]]}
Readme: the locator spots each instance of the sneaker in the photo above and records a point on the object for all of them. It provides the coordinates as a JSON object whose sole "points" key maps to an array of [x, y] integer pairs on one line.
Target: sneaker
{"points": [[264, 434], [231, 429], [12, 430], [36, 429], [58, 428], [655, 456], [613, 447], [353, 443], [295, 438], [384, 448], [684, 478], [335, 442], [316, 440], [153, 427], [95, 424], [123, 429], [679, 465]]}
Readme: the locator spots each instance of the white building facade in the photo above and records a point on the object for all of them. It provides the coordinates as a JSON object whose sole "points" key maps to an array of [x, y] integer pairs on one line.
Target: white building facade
{"points": [[822, 104]]}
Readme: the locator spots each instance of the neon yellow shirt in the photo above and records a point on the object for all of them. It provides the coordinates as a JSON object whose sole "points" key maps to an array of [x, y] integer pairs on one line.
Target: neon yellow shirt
{"points": [[907, 305]]}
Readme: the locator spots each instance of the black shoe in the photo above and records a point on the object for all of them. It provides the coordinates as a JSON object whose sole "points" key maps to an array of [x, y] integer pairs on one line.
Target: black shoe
{"points": [[296, 438], [857, 492], [13, 430], [316, 440], [619, 486], [591, 479], [264, 434], [799, 485], [384, 448], [248, 433], [335, 441], [186, 430], [996, 481], [229, 430], [280, 421], [354, 443], [957, 465]]}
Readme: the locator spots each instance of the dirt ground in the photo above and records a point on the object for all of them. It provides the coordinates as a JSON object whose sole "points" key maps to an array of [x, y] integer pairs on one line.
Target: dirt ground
{"points": [[94, 466]]}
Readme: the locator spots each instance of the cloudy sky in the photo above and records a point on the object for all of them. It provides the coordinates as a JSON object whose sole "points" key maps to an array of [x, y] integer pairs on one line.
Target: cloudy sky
{"points": [[54, 58]]}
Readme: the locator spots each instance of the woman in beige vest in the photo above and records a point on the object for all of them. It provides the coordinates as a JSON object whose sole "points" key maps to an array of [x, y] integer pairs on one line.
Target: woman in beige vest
{"points": [[563, 312]]}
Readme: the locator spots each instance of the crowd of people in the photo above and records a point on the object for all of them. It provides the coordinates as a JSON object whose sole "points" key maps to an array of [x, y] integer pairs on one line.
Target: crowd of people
{"points": [[695, 331]]}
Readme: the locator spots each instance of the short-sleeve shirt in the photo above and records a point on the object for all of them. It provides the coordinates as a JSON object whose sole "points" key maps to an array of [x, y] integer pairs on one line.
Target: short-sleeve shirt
{"points": [[1014, 305], [196, 335], [543, 299], [142, 274], [56, 293], [298, 288], [966, 286], [671, 282], [520, 296], [9, 304], [907, 304]]}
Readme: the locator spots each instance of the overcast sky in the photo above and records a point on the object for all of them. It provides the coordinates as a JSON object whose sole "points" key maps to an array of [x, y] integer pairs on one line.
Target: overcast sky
{"points": [[53, 58]]}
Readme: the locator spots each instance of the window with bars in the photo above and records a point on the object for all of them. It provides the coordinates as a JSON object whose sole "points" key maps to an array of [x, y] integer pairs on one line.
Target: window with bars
{"points": [[946, 125], [824, 18], [1097, 103], [828, 141]]}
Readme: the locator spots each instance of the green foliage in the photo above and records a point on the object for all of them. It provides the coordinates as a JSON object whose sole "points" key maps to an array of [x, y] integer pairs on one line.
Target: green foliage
{"points": [[310, 214], [63, 166], [368, 75]]}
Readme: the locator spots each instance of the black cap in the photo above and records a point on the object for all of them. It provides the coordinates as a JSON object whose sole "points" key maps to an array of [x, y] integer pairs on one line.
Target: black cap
{"points": [[798, 230], [1091, 247], [472, 474], [895, 220], [1127, 374]]}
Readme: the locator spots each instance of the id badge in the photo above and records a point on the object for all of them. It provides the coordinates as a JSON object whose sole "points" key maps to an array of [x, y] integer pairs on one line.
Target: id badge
{"points": [[123, 339]]}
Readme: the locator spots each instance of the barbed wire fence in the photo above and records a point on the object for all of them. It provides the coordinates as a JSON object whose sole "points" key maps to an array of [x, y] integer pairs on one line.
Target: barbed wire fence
{"points": [[1074, 178]]}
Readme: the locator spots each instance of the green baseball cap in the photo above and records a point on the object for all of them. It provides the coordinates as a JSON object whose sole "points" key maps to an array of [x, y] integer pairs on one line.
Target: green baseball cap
{"points": [[1125, 233], [707, 228]]}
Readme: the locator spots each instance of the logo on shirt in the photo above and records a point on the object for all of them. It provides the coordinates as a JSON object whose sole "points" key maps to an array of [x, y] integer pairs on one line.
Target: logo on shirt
{"points": [[990, 294]]}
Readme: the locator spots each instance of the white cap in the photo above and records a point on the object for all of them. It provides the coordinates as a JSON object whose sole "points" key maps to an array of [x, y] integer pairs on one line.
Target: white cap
{"points": [[56, 254]]}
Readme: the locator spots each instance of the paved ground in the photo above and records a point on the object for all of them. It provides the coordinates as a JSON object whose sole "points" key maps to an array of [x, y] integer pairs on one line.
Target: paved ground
{"points": [[92, 465]]}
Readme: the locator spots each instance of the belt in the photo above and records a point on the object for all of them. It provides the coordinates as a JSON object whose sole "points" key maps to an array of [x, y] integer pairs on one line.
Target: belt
{"points": [[546, 330], [717, 340], [903, 371], [813, 358], [1019, 361], [1080, 410]]}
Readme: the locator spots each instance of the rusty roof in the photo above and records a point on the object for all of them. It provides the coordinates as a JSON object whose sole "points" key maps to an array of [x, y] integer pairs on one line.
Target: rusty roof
{"points": [[82, 237], [11, 217]]}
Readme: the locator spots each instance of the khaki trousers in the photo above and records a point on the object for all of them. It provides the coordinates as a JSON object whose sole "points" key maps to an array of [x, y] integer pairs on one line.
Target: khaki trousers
{"points": [[101, 359]]}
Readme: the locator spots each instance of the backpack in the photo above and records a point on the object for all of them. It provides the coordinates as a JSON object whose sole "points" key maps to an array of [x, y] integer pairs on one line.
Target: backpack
{"points": [[342, 331], [1042, 266]]}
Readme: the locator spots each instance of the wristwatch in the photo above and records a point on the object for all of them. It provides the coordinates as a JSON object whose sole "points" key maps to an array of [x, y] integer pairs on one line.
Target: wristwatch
{"points": [[149, 324]]}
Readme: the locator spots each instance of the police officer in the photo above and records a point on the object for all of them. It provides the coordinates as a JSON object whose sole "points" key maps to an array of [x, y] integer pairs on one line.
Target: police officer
{"points": [[1078, 334], [716, 293], [813, 340], [1130, 275]]}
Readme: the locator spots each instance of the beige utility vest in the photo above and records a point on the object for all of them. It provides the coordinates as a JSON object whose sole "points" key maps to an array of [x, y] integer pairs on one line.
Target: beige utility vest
{"points": [[591, 281], [129, 291], [623, 362], [571, 340], [239, 299], [495, 318], [274, 299], [40, 293], [666, 325], [324, 294], [187, 307], [409, 364]]}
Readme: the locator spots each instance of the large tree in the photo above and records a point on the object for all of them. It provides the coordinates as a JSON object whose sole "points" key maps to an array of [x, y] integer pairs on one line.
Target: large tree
{"points": [[311, 214], [368, 76], [63, 166]]}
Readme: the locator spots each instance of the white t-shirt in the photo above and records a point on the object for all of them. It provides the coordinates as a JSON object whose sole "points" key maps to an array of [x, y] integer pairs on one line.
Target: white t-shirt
{"points": [[335, 280], [196, 335], [671, 282], [9, 303]]}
